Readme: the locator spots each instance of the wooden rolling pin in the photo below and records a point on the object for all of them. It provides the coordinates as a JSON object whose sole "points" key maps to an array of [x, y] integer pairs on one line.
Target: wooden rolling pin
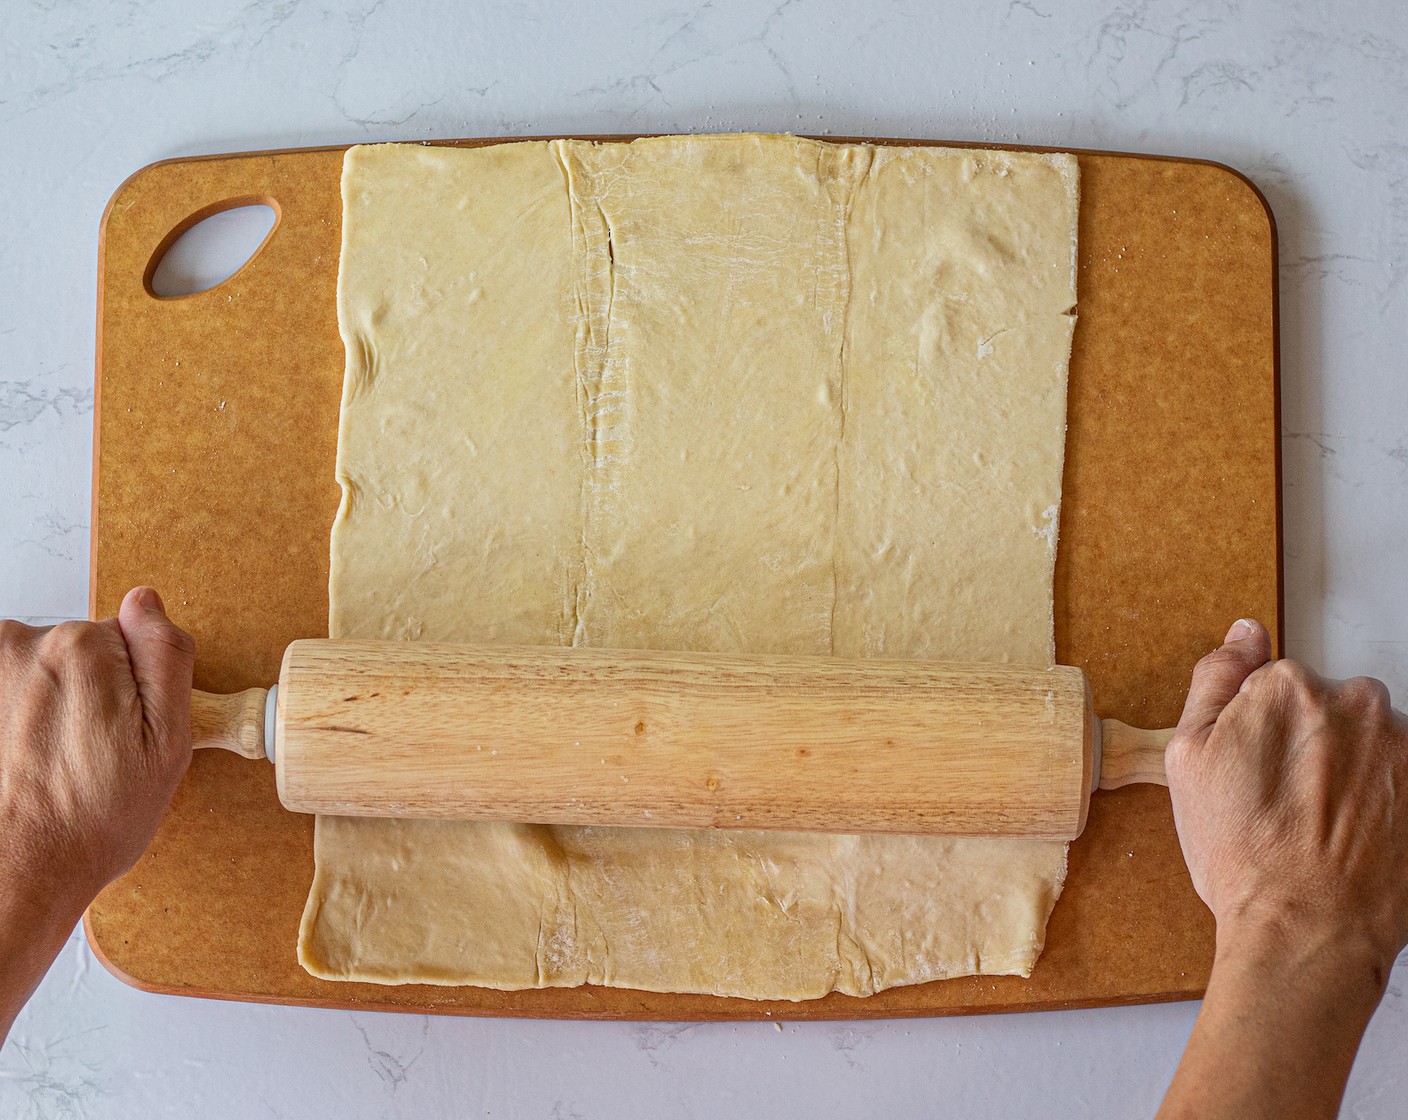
{"points": [[682, 740]]}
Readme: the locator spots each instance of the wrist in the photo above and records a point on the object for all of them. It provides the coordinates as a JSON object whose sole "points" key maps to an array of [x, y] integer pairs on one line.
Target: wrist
{"points": [[36, 905], [1315, 961], [35, 921], [1286, 1007]]}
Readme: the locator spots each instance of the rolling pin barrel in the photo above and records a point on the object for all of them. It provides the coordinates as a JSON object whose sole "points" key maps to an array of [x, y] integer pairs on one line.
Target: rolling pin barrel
{"points": [[610, 737]]}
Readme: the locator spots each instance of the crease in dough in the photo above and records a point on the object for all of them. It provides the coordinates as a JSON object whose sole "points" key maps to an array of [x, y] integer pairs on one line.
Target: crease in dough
{"points": [[776, 395], [842, 404]]}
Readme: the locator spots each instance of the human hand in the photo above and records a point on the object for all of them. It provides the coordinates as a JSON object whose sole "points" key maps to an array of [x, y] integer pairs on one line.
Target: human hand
{"points": [[94, 737], [1290, 795]]}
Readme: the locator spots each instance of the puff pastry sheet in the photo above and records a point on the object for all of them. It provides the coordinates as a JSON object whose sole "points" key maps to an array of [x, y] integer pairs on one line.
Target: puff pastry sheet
{"points": [[737, 393]]}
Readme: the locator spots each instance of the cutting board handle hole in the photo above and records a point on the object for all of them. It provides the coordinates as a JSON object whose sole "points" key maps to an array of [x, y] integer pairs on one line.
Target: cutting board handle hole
{"points": [[210, 246]]}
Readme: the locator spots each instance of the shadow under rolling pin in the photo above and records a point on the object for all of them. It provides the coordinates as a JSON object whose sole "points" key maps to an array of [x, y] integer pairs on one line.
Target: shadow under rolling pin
{"points": [[683, 740]]}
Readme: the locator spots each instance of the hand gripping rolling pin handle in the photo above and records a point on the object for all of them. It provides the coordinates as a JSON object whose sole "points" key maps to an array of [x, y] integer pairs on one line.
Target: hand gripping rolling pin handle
{"points": [[680, 740]]}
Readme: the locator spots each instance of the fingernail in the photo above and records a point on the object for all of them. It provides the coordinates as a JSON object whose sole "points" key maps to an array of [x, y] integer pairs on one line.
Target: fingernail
{"points": [[149, 600], [1241, 629]]}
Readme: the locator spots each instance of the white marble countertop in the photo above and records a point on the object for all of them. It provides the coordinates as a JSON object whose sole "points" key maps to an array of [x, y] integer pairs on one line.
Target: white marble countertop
{"points": [[1306, 97]]}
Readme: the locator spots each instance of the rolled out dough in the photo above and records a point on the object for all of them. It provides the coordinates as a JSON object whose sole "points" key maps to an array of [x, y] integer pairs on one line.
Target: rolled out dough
{"points": [[744, 393]]}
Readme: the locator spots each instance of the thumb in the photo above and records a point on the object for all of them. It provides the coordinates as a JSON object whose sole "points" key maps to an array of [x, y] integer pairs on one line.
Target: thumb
{"points": [[1218, 676], [163, 660]]}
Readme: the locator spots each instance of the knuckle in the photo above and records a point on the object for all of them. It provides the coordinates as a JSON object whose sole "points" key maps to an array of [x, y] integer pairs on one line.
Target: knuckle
{"points": [[1175, 765], [14, 635], [179, 640], [1179, 757], [1289, 672], [68, 637], [1217, 661], [1222, 667], [1293, 678], [80, 642], [67, 631], [1368, 693], [170, 637]]}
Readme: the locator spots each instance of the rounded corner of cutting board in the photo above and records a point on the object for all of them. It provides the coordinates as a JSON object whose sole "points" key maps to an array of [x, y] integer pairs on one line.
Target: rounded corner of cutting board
{"points": [[127, 187], [104, 958], [1245, 183]]}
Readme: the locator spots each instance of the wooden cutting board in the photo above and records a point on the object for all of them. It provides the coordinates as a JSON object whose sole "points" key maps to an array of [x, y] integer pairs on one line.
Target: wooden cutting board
{"points": [[216, 429]]}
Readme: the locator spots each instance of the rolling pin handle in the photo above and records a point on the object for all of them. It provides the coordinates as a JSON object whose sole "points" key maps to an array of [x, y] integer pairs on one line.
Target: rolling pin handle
{"points": [[237, 721], [1126, 755]]}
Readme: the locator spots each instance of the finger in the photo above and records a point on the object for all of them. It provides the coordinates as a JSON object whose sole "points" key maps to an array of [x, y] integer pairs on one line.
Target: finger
{"points": [[1218, 676], [163, 660]]}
